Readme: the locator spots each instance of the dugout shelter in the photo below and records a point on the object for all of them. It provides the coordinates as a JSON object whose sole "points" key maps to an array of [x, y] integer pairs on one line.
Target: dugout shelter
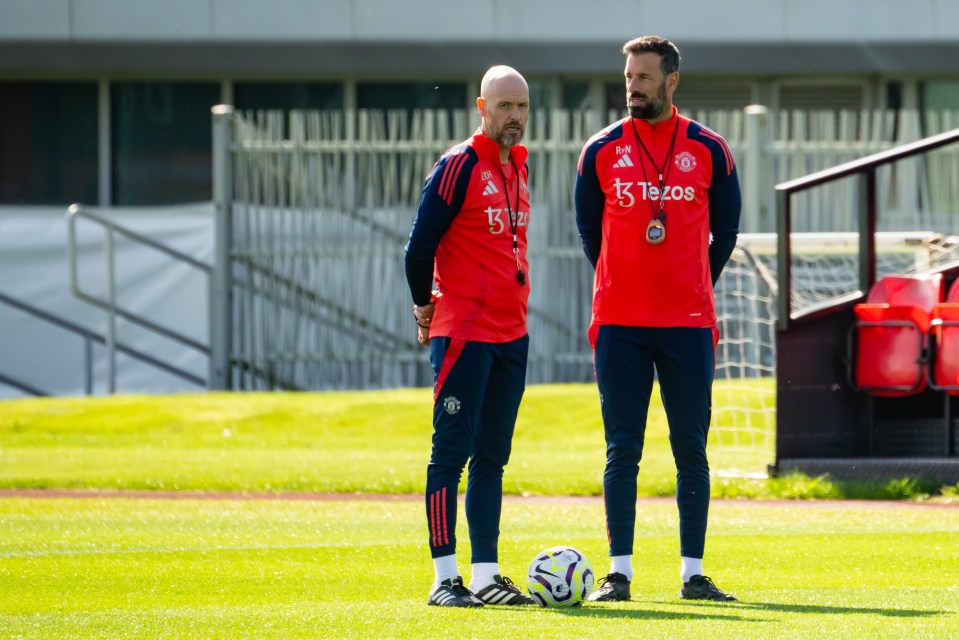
{"points": [[832, 415]]}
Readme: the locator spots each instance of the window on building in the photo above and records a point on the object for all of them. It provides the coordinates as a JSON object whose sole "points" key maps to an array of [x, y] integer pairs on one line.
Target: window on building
{"points": [[541, 104], [615, 94], [540, 96], [939, 100], [48, 142], [287, 95], [411, 95], [575, 95], [941, 95], [696, 95], [693, 96], [894, 95], [823, 97], [162, 142]]}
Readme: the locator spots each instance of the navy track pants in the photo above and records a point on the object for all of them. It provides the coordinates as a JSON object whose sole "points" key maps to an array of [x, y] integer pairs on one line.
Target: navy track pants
{"points": [[684, 360], [477, 390]]}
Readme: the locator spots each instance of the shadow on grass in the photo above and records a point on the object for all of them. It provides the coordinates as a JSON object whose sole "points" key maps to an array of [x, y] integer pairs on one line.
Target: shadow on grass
{"points": [[611, 612], [728, 611], [821, 609]]}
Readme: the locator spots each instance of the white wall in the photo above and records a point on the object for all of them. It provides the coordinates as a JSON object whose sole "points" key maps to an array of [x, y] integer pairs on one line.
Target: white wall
{"points": [[33, 269]]}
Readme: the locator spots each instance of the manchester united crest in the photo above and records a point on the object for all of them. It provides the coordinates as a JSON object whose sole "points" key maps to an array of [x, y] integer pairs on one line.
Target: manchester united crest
{"points": [[685, 161], [451, 405]]}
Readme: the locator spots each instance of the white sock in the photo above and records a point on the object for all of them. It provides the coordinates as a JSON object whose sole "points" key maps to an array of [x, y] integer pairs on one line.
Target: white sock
{"points": [[691, 567], [623, 565], [483, 573], [445, 567]]}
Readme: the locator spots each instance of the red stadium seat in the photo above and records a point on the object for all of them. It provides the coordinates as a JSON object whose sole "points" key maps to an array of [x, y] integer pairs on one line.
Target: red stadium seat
{"points": [[890, 341], [944, 367]]}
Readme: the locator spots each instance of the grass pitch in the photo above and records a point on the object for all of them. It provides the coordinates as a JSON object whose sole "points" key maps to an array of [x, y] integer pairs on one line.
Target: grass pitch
{"points": [[154, 567], [162, 568]]}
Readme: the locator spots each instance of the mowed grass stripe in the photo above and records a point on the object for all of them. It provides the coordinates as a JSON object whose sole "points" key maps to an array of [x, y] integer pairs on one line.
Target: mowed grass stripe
{"points": [[344, 569], [370, 442]]}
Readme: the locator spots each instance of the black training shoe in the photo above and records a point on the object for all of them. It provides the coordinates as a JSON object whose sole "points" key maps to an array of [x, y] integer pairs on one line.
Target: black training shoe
{"points": [[452, 593], [614, 587], [703, 588], [503, 591]]}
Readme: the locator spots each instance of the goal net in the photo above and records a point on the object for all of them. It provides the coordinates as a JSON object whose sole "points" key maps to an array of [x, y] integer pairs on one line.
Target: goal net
{"points": [[824, 267]]}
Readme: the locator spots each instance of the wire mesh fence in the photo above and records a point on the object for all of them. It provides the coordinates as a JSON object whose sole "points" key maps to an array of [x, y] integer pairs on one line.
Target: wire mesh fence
{"points": [[323, 201]]}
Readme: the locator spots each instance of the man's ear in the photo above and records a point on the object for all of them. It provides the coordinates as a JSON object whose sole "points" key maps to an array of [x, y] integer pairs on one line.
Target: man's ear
{"points": [[673, 80], [480, 105]]}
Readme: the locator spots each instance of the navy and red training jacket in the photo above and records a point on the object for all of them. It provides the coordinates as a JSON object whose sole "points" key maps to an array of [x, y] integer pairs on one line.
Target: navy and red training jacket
{"points": [[618, 189], [462, 239]]}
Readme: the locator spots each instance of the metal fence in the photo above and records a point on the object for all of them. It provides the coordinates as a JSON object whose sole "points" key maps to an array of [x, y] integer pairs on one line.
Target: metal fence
{"points": [[314, 208]]}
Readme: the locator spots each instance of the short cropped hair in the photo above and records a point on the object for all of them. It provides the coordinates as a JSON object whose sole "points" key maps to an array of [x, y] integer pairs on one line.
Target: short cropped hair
{"points": [[669, 54]]}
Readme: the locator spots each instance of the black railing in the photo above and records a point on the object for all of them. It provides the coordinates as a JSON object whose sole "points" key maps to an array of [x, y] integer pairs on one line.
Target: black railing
{"points": [[865, 170], [89, 337]]}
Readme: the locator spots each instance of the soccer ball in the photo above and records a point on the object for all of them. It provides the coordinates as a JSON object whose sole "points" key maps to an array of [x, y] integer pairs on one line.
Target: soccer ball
{"points": [[559, 577]]}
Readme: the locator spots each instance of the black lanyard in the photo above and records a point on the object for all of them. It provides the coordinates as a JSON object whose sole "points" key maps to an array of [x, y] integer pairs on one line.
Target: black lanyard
{"points": [[667, 165], [513, 222]]}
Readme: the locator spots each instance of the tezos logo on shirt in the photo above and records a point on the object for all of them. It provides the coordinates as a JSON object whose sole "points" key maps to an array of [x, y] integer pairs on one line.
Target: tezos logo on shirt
{"points": [[646, 191], [497, 224]]}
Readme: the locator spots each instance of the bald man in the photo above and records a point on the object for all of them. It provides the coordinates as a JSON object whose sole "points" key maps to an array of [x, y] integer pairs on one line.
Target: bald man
{"points": [[468, 275]]}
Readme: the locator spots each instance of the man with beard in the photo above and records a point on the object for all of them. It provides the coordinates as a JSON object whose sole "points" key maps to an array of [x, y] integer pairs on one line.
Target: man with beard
{"points": [[650, 191], [469, 239]]}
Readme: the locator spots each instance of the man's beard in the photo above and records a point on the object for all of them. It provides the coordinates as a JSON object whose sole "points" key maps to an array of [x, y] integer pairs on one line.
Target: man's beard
{"points": [[653, 107], [507, 139]]}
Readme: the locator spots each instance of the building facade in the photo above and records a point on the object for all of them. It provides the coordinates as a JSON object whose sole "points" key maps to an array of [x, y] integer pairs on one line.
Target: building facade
{"points": [[107, 102]]}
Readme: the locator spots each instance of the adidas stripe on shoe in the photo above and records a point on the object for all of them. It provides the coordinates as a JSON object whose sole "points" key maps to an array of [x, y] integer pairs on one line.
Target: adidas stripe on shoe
{"points": [[452, 593], [503, 591]]}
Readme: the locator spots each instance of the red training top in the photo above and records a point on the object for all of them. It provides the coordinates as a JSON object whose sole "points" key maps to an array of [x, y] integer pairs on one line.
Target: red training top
{"points": [[688, 170], [463, 239]]}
